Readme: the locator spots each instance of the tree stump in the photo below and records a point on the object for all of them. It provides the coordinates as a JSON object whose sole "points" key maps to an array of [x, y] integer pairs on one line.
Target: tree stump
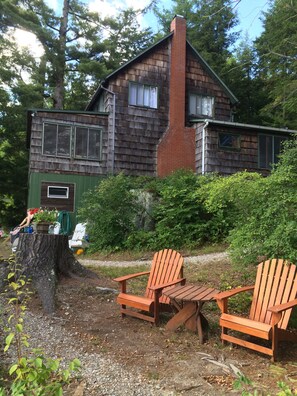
{"points": [[43, 259]]}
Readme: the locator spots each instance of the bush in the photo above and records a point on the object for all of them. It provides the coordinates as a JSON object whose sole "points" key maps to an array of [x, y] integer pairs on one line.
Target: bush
{"points": [[110, 212], [268, 220]]}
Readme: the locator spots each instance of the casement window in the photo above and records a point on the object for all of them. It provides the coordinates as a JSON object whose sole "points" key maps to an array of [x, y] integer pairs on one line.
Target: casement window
{"points": [[88, 142], [56, 139], [72, 141], [269, 148], [143, 95], [229, 141], [200, 105]]}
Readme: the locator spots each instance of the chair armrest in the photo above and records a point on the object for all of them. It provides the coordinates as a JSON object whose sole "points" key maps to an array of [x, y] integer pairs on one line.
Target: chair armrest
{"points": [[229, 293], [282, 307], [222, 298], [130, 276], [160, 287]]}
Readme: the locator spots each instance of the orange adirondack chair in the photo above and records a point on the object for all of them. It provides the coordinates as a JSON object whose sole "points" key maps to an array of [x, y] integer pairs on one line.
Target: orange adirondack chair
{"points": [[274, 297], [166, 271]]}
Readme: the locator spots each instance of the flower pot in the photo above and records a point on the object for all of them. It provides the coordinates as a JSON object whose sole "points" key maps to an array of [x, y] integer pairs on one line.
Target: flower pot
{"points": [[42, 227]]}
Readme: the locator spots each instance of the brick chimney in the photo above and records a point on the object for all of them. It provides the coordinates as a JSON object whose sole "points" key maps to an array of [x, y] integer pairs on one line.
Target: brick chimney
{"points": [[176, 150]]}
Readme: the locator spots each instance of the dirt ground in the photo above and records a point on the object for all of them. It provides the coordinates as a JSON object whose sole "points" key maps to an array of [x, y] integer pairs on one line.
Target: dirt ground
{"points": [[175, 359]]}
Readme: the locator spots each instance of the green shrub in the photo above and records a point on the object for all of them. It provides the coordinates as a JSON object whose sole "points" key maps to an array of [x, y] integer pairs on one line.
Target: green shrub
{"points": [[269, 224], [180, 215], [110, 212]]}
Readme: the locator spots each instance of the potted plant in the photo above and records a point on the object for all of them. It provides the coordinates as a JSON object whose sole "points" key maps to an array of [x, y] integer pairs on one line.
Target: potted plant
{"points": [[44, 218]]}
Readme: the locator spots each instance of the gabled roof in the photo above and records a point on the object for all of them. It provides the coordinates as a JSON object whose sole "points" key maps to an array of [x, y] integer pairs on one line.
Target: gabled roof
{"points": [[203, 63]]}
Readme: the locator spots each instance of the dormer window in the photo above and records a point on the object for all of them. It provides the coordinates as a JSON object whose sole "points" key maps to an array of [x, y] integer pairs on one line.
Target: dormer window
{"points": [[201, 105], [143, 95]]}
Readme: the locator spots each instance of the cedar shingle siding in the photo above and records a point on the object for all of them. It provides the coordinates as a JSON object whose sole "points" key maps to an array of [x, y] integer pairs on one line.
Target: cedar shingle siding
{"points": [[52, 164]]}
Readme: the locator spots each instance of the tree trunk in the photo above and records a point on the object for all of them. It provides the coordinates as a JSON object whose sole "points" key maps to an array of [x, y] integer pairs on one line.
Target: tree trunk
{"points": [[45, 257]]}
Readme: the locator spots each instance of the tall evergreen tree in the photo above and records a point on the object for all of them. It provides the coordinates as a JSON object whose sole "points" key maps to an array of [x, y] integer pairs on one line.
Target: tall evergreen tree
{"points": [[242, 77], [278, 63], [210, 27], [67, 40]]}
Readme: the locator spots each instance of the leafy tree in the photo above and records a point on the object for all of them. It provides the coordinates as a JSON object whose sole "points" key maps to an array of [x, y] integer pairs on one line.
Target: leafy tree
{"points": [[125, 38], [242, 76], [276, 49], [69, 40], [210, 27], [15, 96]]}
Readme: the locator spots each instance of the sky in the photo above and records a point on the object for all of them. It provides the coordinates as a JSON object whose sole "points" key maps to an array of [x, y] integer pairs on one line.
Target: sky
{"points": [[249, 13]]}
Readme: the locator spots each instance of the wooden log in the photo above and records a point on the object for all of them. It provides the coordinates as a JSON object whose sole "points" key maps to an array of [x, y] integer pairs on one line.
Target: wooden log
{"points": [[44, 258]]}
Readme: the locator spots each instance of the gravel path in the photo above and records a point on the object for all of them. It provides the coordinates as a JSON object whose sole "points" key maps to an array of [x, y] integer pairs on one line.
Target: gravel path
{"points": [[203, 259]]}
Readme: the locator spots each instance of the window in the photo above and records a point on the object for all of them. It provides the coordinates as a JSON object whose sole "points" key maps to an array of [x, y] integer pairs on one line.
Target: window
{"points": [[57, 192], [61, 140], [56, 195], [228, 141], [143, 95], [88, 143], [56, 139], [269, 149], [201, 105]]}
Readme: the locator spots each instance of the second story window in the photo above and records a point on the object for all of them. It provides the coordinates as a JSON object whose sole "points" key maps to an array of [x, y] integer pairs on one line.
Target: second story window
{"points": [[88, 143], [56, 140], [200, 105], [71, 141], [143, 95]]}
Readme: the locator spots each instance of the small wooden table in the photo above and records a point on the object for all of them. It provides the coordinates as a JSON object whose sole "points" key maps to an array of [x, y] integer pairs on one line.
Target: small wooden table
{"points": [[188, 300]]}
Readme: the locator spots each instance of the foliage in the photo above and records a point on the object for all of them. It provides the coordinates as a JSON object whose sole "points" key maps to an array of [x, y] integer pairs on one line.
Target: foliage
{"points": [[45, 215], [210, 27], [241, 75], [248, 388], [110, 212], [34, 374], [278, 65], [119, 216], [181, 219], [269, 224]]}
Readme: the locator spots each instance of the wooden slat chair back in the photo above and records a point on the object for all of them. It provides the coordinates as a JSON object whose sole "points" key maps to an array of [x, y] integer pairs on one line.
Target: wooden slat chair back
{"points": [[166, 271], [167, 266], [274, 296]]}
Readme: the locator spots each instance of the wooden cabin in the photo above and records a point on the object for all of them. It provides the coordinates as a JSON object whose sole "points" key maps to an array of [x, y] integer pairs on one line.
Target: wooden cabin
{"points": [[164, 110]]}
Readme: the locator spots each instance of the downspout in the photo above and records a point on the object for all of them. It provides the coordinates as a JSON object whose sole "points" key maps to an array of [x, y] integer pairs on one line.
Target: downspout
{"points": [[203, 148], [113, 127]]}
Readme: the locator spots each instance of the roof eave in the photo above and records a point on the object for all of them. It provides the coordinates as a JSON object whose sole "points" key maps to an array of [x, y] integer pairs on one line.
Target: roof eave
{"points": [[240, 125], [126, 64], [232, 97]]}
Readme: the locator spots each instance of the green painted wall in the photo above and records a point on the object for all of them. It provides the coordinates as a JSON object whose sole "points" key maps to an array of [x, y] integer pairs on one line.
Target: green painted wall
{"points": [[82, 184]]}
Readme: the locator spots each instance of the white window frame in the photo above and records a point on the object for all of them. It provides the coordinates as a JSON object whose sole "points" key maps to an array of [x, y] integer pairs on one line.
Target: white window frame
{"points": [[143, 95], [201, 105], [49, 195]]}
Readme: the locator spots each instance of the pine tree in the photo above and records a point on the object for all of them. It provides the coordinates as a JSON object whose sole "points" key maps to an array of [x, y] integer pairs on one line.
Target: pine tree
{"points": [[276, 49], [210, 27]]}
